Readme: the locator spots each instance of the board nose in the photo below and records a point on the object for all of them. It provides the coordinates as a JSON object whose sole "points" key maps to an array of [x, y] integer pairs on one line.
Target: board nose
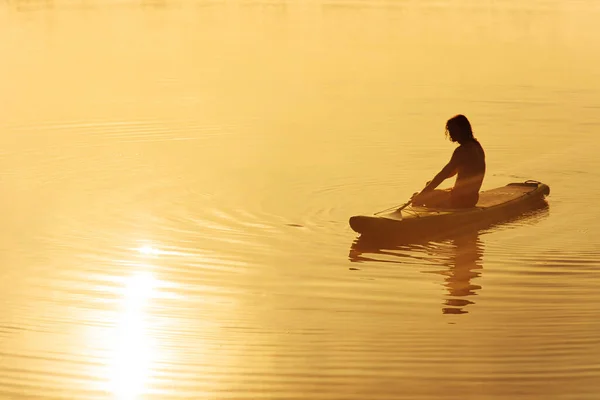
{"points": [[545, 189]]}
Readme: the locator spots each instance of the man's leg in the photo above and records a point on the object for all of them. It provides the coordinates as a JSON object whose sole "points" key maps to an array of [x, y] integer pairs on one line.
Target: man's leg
{"points": [[438, 199]]}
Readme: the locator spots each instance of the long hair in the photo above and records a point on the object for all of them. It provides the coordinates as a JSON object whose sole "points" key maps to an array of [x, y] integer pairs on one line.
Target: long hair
{"points": [[458, 129]]}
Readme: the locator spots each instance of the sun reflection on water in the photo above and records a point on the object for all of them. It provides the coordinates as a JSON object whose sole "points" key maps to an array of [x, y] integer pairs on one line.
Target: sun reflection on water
{"points": [[148, 250], [132, 351]]}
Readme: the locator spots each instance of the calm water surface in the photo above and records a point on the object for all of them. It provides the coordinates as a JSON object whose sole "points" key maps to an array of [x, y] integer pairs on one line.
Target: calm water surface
{"points": [[177, 178]]}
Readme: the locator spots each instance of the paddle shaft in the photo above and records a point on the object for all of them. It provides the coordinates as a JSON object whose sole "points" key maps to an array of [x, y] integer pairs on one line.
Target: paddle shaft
{"points": [[397, 208]]}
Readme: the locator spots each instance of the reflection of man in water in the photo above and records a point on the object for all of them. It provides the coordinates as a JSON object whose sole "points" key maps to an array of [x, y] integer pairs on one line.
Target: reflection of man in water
{"points": [[462, 268], [462, 262]]}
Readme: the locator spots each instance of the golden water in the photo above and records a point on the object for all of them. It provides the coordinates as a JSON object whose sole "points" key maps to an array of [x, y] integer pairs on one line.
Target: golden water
{"points": [[176, 178]]}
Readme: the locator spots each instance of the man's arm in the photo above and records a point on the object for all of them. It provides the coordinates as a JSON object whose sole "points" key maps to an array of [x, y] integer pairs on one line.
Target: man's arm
{"points": [[447, 172]]}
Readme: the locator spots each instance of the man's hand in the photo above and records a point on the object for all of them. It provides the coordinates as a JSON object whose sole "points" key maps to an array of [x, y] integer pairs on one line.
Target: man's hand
{"points": [[418, 199]]}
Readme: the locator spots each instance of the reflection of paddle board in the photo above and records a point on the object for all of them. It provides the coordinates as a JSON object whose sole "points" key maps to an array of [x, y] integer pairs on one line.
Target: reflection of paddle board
{"points": [[494, 205]]}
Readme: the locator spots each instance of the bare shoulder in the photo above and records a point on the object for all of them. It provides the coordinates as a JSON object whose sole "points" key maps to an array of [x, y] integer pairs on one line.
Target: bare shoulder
{"points": [[471, 146], [468, 151], [478, 147], [460, 151]]}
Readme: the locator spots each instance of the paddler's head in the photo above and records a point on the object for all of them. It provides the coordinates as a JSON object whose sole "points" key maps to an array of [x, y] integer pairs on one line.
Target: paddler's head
{"points": [[458, 128]]}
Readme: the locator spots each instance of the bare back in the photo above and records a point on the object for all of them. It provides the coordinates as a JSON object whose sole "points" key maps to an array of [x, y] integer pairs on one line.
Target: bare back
{"points": [[469, 160]]}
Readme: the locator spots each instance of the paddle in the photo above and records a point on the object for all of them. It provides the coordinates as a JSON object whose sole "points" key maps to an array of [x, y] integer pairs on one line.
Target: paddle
{"points": [[398, 208]]}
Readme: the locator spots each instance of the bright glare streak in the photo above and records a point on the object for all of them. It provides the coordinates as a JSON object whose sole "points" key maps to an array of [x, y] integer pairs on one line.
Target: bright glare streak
{"points": [[148, 250], [132, 351]]}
